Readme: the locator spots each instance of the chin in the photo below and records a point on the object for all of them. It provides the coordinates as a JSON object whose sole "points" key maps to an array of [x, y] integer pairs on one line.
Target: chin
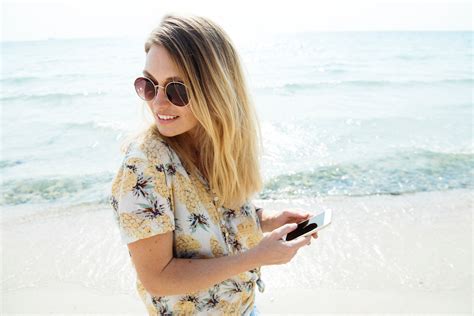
{"points": [[167, 133]]}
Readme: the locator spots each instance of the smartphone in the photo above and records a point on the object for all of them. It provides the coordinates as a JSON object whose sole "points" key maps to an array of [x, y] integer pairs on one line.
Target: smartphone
{"points": [[311, 225]]}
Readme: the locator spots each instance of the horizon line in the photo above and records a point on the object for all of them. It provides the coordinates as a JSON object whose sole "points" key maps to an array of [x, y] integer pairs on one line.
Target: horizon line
{"points": [[283, 32]]}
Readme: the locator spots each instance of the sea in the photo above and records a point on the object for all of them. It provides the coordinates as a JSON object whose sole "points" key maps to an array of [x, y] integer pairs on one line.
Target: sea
{"points": [[341, 113], [371, 115]]}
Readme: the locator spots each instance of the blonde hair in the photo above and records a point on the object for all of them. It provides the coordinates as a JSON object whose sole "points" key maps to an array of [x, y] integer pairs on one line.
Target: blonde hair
{"points": [[228, 132]]}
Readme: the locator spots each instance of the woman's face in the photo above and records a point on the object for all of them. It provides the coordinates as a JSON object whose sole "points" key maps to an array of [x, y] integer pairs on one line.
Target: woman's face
{"points": [[160, 69]]}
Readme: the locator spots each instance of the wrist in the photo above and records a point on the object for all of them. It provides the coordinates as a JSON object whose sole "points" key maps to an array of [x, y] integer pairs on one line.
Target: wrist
{"points": [[251, 258]]}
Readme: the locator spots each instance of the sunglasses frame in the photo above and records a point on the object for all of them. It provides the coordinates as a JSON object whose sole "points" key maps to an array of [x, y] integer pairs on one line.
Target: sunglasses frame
{"points": [[156, 86]]}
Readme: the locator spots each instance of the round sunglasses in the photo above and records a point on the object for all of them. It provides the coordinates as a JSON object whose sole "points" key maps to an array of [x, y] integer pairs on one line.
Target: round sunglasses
{"points": [[176, 92]]}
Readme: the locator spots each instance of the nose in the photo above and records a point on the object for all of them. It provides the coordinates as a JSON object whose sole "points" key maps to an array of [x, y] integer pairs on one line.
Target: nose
{"points": [[160, 98]]}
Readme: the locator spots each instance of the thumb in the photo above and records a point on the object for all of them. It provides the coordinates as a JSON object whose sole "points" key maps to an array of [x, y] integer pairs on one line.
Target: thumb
{"points": [[283, 230]]}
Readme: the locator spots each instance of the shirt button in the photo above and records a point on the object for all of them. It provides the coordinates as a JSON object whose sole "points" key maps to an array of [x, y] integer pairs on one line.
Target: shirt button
{"points": [[216, 199]]}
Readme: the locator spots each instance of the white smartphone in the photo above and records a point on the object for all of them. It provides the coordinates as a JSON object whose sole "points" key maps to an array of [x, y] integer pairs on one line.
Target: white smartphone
{"points": [[311, 225]]}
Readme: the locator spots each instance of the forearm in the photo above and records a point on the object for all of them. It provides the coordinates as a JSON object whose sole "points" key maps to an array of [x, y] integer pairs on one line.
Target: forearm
{"points": [[182, 276]]}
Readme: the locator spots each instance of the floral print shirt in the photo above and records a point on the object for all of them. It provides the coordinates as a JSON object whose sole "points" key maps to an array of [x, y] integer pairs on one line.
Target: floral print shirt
{"points": [[152, 194]]}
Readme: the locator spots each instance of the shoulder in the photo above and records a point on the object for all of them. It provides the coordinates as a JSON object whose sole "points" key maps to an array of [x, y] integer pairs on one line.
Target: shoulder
{"points": [[148, 148]]}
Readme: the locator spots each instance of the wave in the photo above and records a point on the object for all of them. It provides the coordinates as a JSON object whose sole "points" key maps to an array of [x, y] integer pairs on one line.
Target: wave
{"points": [[116, 126], [15, 80], [327, 70], [9, 163], [414, 57], [51, 97], [79, 189], [396, 174], [293, 87], [19, 80]]}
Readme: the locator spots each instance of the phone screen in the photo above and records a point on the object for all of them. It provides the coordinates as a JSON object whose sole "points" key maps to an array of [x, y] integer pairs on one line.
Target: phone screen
{"points": [[306, 226]]}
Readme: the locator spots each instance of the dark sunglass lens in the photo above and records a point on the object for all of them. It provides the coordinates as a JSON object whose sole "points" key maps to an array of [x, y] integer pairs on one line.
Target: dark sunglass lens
{"points": [[145, 89], [177, 94]]}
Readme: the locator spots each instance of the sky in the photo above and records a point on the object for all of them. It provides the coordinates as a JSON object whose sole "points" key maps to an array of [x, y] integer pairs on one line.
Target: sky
{"points": [[44, 19]]}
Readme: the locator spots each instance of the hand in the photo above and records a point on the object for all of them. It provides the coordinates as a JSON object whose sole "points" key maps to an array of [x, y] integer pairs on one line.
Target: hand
{"points": [[288, 216], [272, 249]]}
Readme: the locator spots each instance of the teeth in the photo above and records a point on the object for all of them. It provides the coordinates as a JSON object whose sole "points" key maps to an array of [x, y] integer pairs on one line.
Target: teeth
{"points": [[166, 117]]}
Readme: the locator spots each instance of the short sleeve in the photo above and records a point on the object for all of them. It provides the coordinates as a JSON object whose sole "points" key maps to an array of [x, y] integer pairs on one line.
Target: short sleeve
{"points": [[141, 199]]}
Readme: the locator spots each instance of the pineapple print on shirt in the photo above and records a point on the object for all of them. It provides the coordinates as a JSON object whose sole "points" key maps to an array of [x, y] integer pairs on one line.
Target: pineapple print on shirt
{"points": [[152, 194]]}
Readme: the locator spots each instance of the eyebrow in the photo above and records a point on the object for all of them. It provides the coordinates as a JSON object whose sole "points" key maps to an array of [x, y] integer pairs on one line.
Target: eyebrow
{"points": [[174, 78]]}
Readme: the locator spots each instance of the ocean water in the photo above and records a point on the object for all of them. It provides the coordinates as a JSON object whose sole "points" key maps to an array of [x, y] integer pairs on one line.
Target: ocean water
{"points": [[357, 113]]}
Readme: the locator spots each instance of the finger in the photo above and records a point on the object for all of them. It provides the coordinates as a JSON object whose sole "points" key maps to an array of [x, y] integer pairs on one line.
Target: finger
{"points": [[315, 235], [299, 242], [283, 230], [304, 214], [298, 213]]}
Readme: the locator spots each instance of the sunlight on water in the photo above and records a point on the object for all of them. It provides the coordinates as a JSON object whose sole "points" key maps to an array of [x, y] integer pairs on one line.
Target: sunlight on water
{"points": [[375, 119]]}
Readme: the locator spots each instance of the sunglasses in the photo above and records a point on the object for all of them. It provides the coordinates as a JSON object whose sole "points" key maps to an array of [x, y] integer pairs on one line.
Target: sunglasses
{"points": [[176, 92]]}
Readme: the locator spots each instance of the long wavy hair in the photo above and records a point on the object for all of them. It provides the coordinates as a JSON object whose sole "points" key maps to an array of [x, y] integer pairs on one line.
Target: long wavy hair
{"points": [[228, 132]]}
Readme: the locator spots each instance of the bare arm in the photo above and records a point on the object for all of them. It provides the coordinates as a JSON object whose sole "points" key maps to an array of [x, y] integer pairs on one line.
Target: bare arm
{"points": [[189, 275], [161, 274]]}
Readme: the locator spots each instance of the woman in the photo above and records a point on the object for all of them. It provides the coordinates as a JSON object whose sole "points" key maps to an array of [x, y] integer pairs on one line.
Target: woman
{"points": [[182, 196]]}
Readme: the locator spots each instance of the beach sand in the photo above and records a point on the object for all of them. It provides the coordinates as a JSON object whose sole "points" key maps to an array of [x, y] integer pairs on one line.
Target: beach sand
{"points": [[382, 254]]}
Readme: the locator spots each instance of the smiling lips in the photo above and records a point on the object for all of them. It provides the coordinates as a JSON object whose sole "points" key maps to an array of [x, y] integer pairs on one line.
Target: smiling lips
{"points": [[167, 117]]}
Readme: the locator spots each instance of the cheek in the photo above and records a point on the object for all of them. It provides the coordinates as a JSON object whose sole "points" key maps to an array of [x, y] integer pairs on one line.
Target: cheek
{"points": [[189, 117]]}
